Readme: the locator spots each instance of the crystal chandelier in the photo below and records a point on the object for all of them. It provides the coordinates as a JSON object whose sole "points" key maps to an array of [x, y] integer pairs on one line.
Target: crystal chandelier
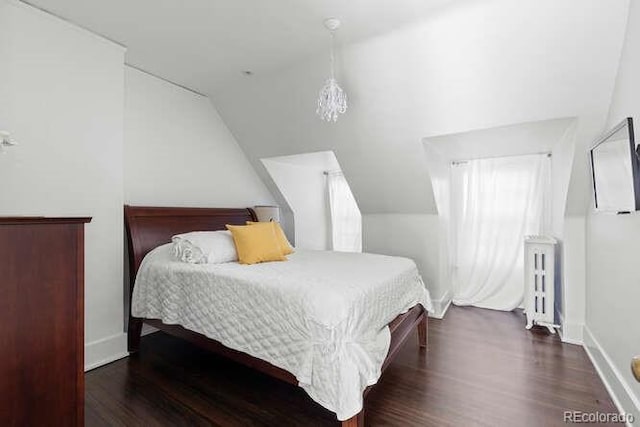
{"points": [[332, 100]]}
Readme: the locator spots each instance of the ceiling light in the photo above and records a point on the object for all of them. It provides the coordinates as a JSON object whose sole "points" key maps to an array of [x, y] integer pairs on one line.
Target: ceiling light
{"points": [[332, 100]]}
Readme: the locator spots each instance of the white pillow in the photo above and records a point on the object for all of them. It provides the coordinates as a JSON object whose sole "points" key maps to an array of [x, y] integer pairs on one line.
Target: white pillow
{"points": [[205, 247]]}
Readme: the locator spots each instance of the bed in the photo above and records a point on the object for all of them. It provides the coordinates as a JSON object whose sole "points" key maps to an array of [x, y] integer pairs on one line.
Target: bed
{"points": [[314, 321]]}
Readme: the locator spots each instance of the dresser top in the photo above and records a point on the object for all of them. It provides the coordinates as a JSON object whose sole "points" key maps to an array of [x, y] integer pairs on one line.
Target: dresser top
{"points": [[17, 220]]}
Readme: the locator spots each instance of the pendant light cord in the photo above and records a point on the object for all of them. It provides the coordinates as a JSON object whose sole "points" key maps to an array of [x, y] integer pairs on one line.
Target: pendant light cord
{"points": [[332, 57]]}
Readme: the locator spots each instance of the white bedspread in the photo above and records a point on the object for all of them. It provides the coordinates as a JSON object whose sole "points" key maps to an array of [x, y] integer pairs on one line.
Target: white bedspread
{"points": [[321, 315]]}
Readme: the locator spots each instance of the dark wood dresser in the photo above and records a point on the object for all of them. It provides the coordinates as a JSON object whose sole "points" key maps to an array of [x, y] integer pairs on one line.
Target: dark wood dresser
{"points": [[42, 321]]}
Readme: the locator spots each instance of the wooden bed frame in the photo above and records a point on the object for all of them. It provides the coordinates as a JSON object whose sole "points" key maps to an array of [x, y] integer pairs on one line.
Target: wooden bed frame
{"points": [[150, 227]]}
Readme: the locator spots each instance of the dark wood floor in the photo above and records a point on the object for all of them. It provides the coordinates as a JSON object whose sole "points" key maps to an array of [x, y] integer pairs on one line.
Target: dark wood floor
{"points": [[482, 368]]}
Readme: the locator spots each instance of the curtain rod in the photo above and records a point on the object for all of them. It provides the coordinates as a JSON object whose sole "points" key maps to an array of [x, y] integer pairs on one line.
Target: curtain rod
{"points": [[332, 172], [457, 162]]}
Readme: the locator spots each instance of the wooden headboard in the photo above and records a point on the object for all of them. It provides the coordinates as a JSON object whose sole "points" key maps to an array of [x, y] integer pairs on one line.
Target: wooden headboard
{"points": [[149, 227]]}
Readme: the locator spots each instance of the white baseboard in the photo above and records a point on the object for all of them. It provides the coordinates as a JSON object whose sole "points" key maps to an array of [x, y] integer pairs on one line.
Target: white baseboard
{"points": [[619, 389], [440, 306], [571, 333], [109, 349], [105, 350]]}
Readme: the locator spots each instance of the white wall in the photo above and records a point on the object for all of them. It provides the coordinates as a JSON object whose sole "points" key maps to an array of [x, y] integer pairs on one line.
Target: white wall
{"points": [[438, 162], [564, 150], [612, 330], [302, 190], [470, 65], [179, 152], [62, 97], [413, 236], [574, 280]]}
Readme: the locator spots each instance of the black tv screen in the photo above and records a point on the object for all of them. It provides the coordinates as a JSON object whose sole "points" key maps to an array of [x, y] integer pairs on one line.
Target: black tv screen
{"points": [[616, 171]]}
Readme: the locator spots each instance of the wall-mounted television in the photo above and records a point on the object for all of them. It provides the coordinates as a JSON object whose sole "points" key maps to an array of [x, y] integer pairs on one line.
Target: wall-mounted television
{"points": [[615, 165]]}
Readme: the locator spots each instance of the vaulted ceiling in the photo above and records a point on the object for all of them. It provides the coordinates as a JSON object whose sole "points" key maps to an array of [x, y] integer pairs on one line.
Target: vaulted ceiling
{"points": [[204, 44], [412, 69], [468, 66]]}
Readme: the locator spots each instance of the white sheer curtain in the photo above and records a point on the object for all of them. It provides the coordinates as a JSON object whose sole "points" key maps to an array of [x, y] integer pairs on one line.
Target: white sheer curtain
{"points": [[495, 203], [346, 221]]}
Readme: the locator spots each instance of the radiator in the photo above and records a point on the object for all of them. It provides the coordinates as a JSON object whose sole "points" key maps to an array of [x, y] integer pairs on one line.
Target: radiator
{"points": [[540, 270]]}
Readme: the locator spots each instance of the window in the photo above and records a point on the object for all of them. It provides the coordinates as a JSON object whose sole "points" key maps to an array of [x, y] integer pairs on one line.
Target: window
{"points": [[495, 203], [346, 220]]}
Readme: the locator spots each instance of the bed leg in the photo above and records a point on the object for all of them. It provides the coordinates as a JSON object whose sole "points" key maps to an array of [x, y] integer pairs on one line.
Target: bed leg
{"points": [[355, 421], [422, 331], [133, 334]]}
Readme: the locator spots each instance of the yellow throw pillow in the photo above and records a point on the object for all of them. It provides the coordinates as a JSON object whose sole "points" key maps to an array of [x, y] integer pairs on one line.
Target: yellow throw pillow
{"points": [[256, 243], [285, 246]]}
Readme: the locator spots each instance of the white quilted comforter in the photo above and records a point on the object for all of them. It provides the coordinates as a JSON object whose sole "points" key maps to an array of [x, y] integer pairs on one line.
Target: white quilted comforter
{"points": [[321, 316]]}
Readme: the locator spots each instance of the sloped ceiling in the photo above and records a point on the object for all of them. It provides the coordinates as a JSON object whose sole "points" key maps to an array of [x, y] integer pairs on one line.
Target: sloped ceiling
{"points": [[516, 140], [469, 66], [412, 69], [204, 44]]}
